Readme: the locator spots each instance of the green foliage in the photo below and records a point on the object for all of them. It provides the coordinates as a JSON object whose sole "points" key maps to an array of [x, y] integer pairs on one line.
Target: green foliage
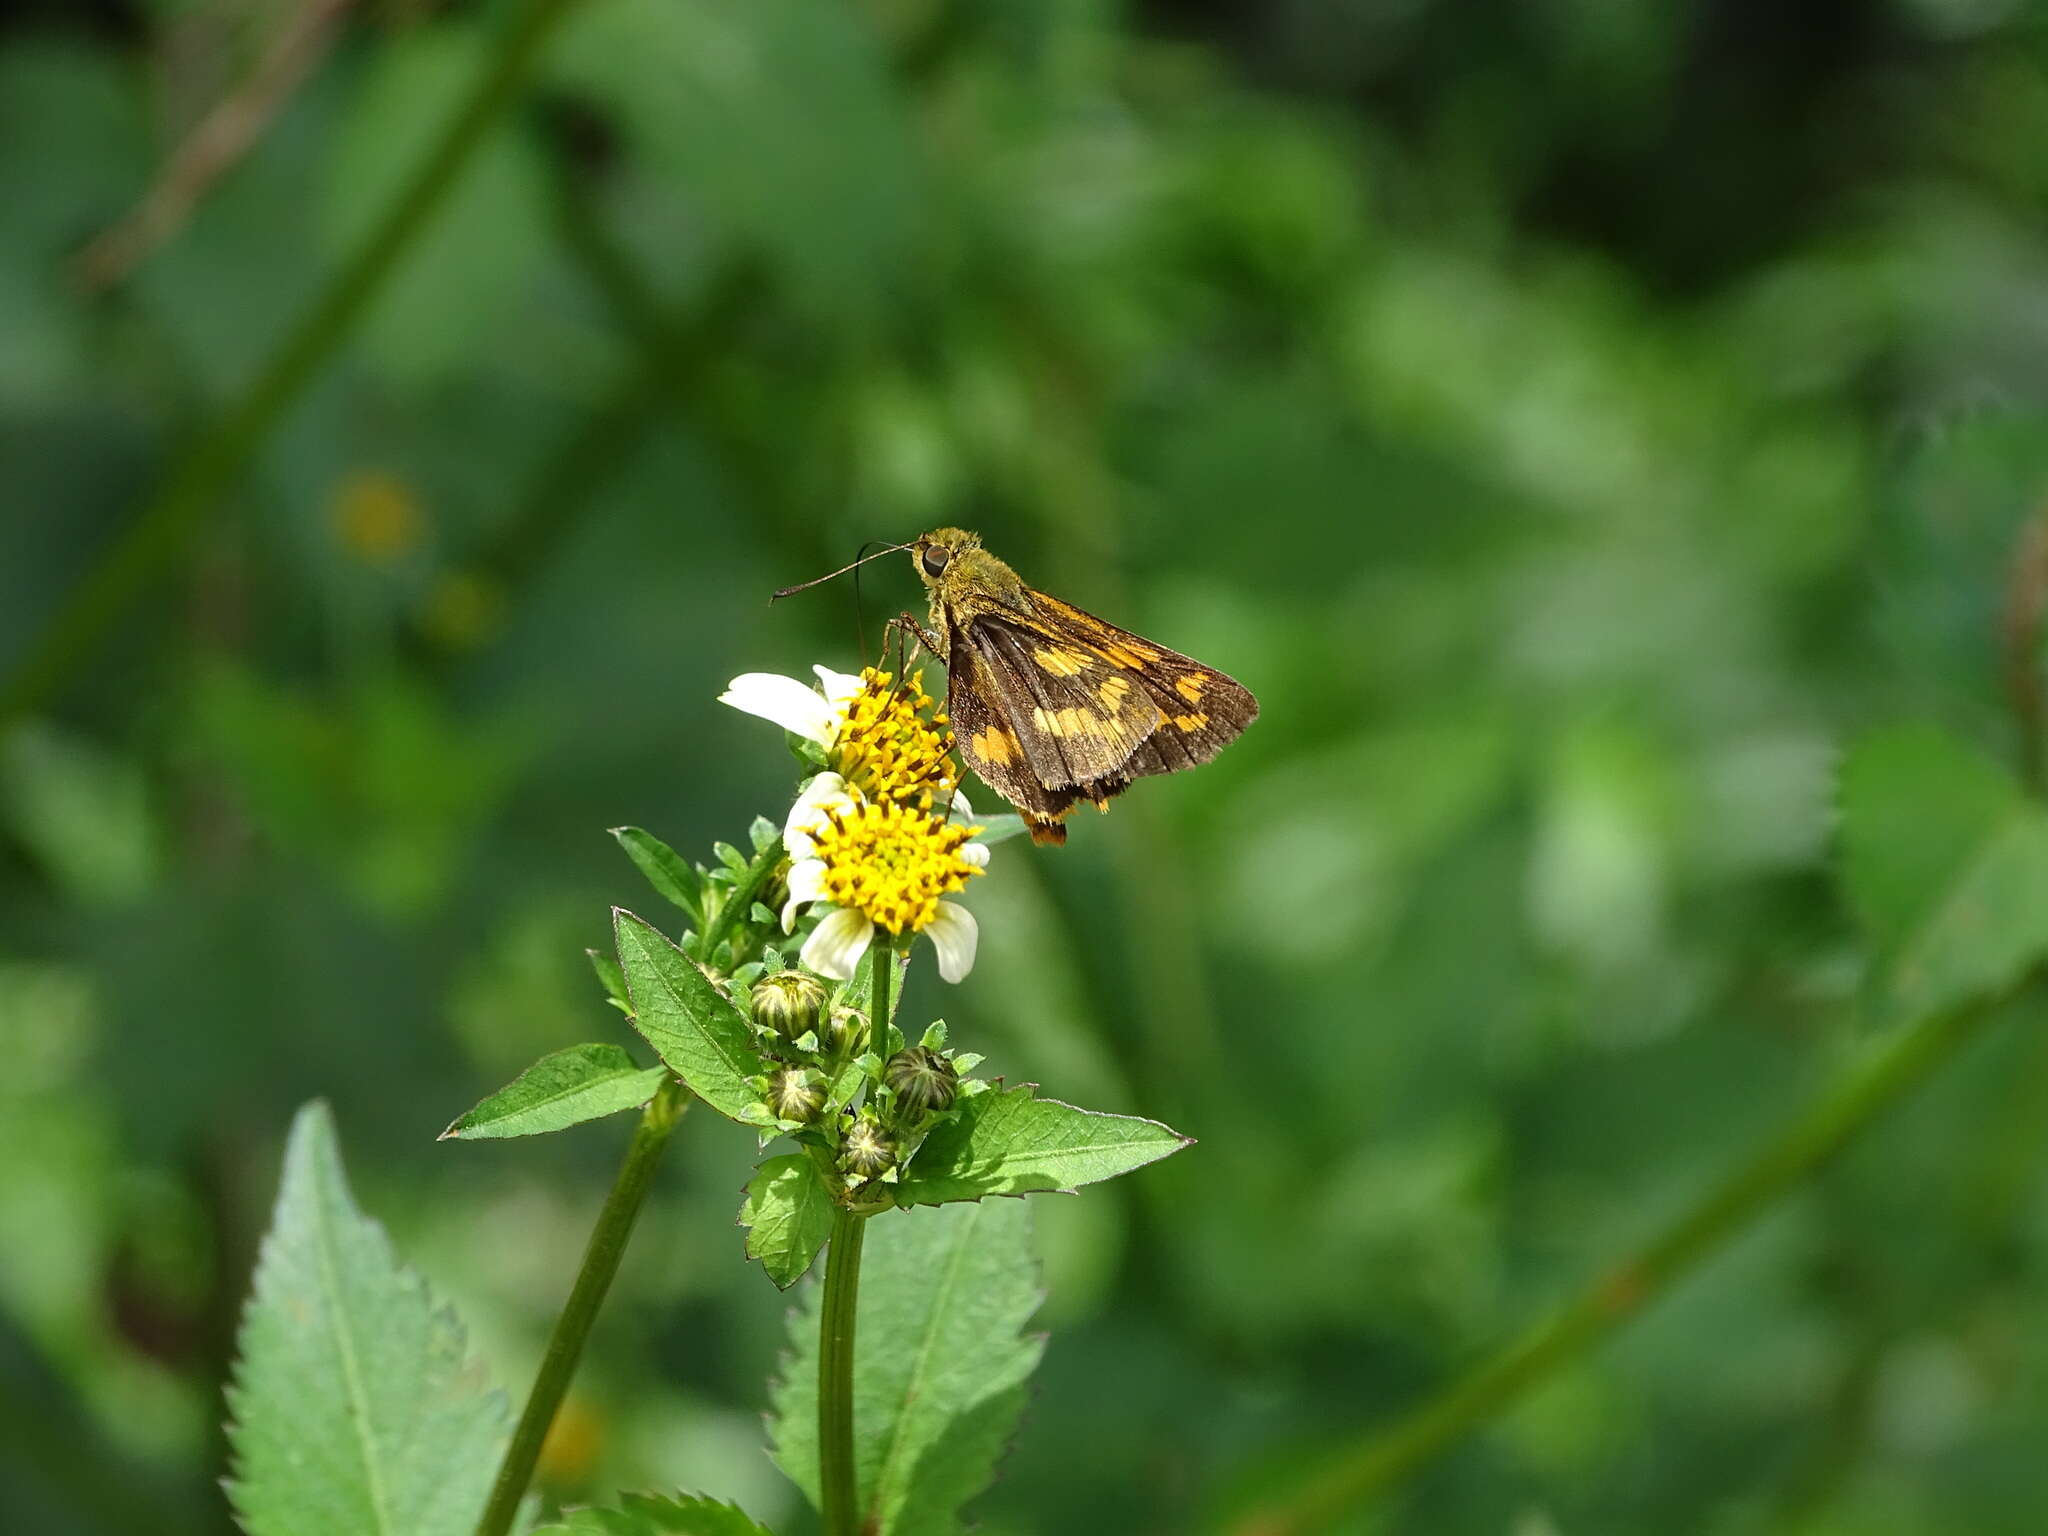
{"points": [[941, 1368], [690, 1025], [486, 242], [1946, 860], [641, 1514], [611, 978], [85, 815], [788, 1216], [704, 97], [1572, 491], [563, 1089], [664, 868], [355, 1407], [1012, 1143]]}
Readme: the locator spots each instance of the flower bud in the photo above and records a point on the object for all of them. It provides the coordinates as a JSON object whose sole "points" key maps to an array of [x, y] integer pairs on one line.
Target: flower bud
{"points": [[869, 1151], [789, 1002], [922, 1080], [793, 1095], [847, 1033]]}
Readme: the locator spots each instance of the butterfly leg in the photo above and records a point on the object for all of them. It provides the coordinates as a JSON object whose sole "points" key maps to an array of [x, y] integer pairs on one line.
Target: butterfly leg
{"points": [[906, 625]]}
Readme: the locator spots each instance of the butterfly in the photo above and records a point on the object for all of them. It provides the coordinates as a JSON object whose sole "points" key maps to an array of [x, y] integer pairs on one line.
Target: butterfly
{"points": [[1052, 706]]}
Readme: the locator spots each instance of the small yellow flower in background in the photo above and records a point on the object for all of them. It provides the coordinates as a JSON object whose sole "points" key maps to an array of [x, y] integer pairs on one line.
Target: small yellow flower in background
{"points": [[463, 610], [377, 516]]}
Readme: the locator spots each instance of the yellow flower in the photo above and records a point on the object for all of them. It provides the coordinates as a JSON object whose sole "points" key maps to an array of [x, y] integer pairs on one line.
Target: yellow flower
{"points": [[876, 734], [883, 864], [887, 749], [883, 834]]}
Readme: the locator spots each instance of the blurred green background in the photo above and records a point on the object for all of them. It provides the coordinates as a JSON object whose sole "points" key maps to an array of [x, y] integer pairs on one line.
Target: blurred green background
{"points": [[1574, 419]]}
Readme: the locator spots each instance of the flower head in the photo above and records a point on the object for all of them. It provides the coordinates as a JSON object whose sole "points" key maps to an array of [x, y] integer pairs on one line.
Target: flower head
{"points": [[882, 739], [789, 1003], [869, 1150], [888, 749], [922, 1080], [883, 833], [885, 865], [794, 1094]]}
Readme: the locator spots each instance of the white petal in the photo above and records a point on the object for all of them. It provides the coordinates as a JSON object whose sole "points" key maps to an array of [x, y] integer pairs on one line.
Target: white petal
{"points": [[785, 701], [975, 854], [826, 791], [806, 884], [836, 945], [953, 932], [840, 687], [959, 811]]}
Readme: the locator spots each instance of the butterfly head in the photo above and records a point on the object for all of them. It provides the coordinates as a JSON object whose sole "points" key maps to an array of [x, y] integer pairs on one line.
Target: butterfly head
{"points": [[937, 553], [956, 569]]}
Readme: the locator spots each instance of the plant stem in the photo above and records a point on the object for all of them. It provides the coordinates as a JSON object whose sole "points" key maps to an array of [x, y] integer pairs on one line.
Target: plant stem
{"points": [[883, 957], [838, 1497], [1382, 1460], [739, 901], [193, 488], [836, 1491], [565, 1345], [2026, 601]]}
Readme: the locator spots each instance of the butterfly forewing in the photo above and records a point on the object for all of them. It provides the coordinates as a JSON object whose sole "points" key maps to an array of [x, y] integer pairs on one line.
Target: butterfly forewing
{"points": [[1052, 705]]}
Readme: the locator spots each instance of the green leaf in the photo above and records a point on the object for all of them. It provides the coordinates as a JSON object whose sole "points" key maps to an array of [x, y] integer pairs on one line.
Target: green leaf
{"points": [[354, 1406], [1009, 1143], [641, 1514], [788, 1216], [664, 868], [690, 1025], [611, 978], [998, 829], [939, 1377], [1946, 862], [585, 1082]]}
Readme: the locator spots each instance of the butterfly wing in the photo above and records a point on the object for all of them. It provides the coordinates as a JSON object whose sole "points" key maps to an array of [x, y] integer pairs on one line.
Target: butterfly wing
{"points": [[1201, 710], [1052, 706]]}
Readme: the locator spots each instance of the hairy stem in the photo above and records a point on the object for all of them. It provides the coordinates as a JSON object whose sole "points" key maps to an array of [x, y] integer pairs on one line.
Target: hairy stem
{"points": [[1382, 1460], [168, 522], [836, 1491], [565, 1345]]}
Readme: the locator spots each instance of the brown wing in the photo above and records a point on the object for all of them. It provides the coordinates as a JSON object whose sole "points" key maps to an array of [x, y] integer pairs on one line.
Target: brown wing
{"points": [[993, 749], [1201, 709], [1080, 707]]}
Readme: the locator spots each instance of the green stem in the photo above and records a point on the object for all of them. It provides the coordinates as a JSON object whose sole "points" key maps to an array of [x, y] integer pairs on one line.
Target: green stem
{"points": [[565, 1345], [2026, 603], [739, 901], [882, 956], [837, 1493], [838, 1496], [1382, 1460], [192, 490]]}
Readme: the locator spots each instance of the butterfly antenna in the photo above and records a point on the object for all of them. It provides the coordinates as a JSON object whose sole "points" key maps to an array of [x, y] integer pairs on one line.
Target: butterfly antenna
{"points": [[863, 560]]}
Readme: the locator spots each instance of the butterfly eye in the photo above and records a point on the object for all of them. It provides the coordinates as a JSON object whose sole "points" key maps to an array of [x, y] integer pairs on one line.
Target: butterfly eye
{"points": [[935, 559]]}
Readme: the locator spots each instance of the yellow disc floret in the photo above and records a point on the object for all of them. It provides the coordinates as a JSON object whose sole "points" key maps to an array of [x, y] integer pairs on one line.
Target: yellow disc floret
{"points": [[888, 749], [892, 862]]}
